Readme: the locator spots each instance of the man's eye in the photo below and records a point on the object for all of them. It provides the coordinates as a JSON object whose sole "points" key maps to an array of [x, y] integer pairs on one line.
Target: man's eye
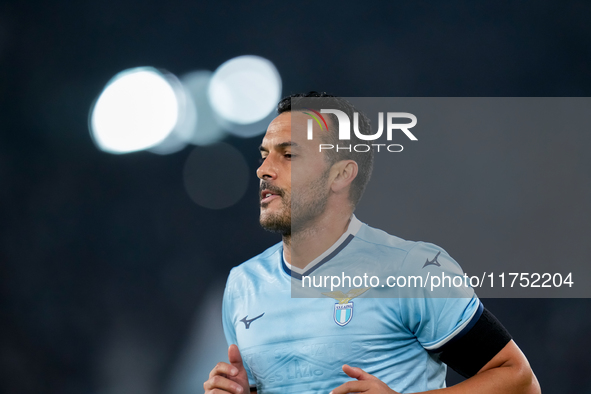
{"points": [[288, 155], [261, 160]]}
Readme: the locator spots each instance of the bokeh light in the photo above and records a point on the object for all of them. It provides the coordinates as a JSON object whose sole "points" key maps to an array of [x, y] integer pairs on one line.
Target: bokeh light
{"points": [[181, 134], [138, 109], [216, 176], [206, 129], [244, 92]]}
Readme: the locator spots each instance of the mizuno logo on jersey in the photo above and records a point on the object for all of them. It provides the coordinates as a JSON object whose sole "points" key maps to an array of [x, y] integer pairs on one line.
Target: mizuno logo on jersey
{"points": [[343, 309], [433, 262], [247, 321]]}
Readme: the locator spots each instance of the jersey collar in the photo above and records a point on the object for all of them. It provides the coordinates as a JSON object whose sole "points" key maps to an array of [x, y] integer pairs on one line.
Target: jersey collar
{"points": [[294, 272]]}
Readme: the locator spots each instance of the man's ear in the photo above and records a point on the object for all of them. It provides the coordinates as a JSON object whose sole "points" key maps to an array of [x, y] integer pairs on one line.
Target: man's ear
{"points": [[342, 174]]}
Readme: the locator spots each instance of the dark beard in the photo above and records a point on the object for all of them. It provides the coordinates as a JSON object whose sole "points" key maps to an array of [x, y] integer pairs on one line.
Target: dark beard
{"points": [[302, 210], [276, 223], [306, 208], [304, 213]]}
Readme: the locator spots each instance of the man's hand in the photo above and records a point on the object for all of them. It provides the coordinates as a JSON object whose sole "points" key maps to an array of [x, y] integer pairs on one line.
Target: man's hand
{"points": [[365, 383], [228, 378]]}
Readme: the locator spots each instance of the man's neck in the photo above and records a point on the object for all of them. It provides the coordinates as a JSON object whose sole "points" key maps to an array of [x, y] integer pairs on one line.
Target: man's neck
{"points": [[304, 246]]}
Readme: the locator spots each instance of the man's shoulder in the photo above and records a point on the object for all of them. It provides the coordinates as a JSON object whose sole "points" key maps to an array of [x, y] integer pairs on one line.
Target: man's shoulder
{"points": [[377, 237], [258, 265], [412, 249]]}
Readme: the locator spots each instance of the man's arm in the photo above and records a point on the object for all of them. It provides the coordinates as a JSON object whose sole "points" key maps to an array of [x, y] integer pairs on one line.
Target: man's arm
{"points": [[508, 372], [490, 359], [485, 355]]}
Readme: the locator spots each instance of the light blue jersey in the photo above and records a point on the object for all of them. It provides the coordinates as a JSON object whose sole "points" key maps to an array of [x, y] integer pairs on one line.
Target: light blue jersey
{"points": [[298, 345]]}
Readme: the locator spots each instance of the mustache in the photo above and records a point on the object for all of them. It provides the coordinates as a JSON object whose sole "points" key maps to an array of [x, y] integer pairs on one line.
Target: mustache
{"points": [[267, 186]]}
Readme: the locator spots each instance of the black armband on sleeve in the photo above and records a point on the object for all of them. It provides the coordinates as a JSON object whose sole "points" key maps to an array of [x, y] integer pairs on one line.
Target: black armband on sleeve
{"points": [[468, 354]]}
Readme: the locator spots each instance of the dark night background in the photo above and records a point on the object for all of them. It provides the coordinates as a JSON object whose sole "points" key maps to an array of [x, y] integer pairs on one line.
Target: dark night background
{"points": [[105, 260]]}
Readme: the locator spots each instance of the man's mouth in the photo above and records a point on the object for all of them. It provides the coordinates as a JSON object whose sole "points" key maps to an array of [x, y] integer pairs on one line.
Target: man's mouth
{"points": [[267, 196]]}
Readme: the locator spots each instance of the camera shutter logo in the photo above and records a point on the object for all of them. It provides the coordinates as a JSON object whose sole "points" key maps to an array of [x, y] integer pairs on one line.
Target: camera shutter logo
{"points": [[345, 124]]}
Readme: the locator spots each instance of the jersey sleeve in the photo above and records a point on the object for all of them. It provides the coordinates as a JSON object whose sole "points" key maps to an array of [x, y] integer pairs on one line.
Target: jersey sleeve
{"points": [[439, 314], [468, 354], [228, 319]]}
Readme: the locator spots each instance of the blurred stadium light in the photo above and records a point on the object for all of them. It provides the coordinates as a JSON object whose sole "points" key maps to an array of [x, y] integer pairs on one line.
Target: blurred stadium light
{"points": [[244, 92], [181, 134], [147, 109], [197, 123], [207, 129], [216, 176], [138, 109]]}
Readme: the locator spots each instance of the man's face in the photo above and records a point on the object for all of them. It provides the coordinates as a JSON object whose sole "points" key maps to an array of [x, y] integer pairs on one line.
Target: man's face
{"points": [[285, 209]]}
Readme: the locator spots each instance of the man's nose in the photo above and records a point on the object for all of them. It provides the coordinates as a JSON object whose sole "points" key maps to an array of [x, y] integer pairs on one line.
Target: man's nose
{"points": [[267, 169]]}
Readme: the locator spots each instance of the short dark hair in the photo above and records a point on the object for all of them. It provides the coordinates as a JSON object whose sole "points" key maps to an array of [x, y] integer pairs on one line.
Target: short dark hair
{"points": [[364, 160]]}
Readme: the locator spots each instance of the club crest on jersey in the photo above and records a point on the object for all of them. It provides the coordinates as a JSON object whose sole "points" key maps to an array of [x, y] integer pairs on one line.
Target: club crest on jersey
{"points": [[343, 309], [343, 313]]}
